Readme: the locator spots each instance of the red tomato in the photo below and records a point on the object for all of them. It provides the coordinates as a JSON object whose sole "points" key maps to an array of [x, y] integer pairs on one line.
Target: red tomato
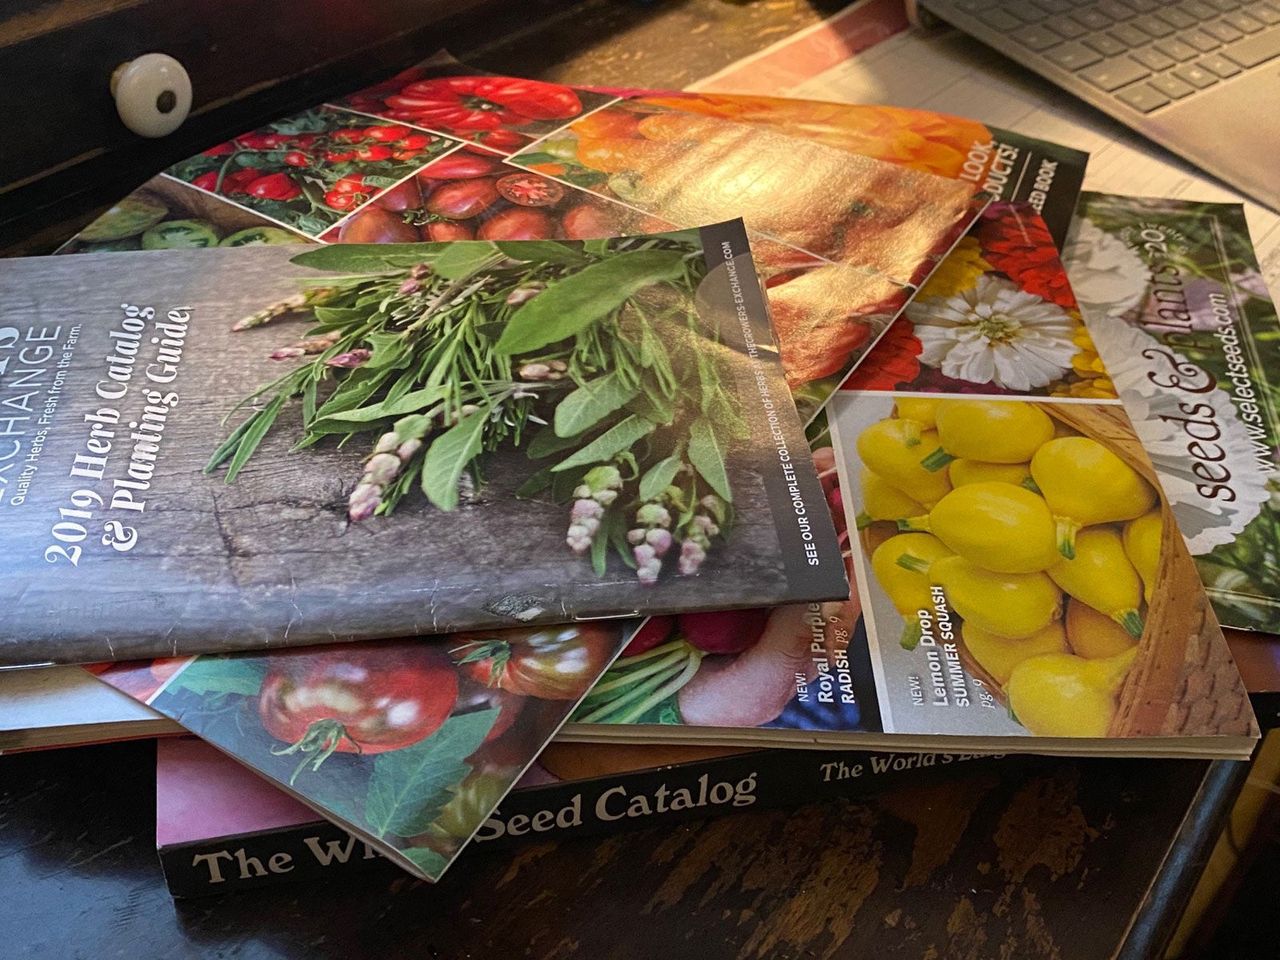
{"points": [[385, 134], [500, 139], [238, 182], [518, 223], [206, 181], [555, 663], [404, 154], [342, 201], [462, 199], [274, 186], [440, 230], [262, 141], [296, 158], [347, 135], [401, 197], [469, 104], [221, 150], [351, 183], [530, 190], [339, 156], [373, 224], [304, 140], [415, 141], [587, 221], [374, 153], [459, 166], [362, 698]]}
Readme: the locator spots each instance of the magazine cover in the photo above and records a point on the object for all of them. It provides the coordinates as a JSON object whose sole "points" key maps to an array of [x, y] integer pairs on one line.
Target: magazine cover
{"points": [[223, 450], [441, 152], [1179, 311], [1021, 585], [408, 744]]}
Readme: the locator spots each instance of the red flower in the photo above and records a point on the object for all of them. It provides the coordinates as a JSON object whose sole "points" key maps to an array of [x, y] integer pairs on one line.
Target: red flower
{"points": [[892, 363], [1017, 243]]}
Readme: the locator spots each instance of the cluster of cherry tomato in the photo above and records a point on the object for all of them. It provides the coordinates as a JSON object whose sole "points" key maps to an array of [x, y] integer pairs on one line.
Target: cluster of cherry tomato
{"points": [[472, 194]]}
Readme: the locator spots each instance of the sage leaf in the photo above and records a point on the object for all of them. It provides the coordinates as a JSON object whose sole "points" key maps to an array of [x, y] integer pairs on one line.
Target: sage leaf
{"points": [[545, 443], [658, 477], [411, 402], [262, 421], [621, 436], [463, 259], [707, 457], [368, 257], [534, 485], [409, 787], [543, 251], [210, 676], [573, 303], [448, 456], [592, 402]]}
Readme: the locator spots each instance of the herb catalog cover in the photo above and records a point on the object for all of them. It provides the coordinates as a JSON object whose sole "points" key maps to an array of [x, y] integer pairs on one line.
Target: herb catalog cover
{"points": [[224, 450], [1021, 582], [443, 153], [1178, 309], [409, 744]]}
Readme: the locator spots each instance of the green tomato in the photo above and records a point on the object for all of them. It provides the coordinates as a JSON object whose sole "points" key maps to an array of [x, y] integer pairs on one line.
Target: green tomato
{"points": [[179, 234], [260, 236], [128, 218]]}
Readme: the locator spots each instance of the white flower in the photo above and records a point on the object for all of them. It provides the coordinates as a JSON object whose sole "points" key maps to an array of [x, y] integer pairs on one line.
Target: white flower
{"points": [[997, 333], [1107, 276]]}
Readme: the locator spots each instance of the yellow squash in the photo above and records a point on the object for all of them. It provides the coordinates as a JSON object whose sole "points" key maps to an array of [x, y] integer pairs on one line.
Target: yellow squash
{"points": [[998, 431], [901, 566], [965, 471], [1142, 547], [1085, 483], [881, 500], [996, 525], [1101, 575], [1092, 634], [919, 409], [1008, 604], [1060, 695], [999, 655], [893, 448]]}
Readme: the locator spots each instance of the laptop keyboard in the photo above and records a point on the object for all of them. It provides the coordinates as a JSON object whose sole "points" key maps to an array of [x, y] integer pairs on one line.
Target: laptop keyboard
{"points": [[1145, 53]]}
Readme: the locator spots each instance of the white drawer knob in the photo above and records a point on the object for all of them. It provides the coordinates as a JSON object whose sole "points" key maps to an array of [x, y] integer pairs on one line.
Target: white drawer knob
{"points": [[153, 94]]}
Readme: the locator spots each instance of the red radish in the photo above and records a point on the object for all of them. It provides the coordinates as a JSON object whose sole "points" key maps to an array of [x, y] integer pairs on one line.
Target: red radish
{"points": [[724, 631], [653, 634]]}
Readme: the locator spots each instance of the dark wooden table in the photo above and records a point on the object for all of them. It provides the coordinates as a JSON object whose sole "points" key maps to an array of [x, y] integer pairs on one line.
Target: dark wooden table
{"points": [[1020, 858], [1016, 858]]}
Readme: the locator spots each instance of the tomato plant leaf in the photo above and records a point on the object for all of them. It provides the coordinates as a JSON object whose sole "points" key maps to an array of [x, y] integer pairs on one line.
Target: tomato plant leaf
{"points": [[409, 787], [463, 259], [573, 303], [431, 863], [448, 456], [543, 251], [592, 402], [621, 436], [658, 477], [210, 676], [707, 457]]}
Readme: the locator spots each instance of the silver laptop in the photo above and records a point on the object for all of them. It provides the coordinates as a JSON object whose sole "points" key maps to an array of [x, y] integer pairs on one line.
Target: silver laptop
{"points": [[1200, 77]]}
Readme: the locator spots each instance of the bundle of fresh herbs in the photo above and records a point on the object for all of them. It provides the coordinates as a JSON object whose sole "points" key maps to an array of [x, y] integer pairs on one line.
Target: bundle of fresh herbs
{"points": [[590, 356]]}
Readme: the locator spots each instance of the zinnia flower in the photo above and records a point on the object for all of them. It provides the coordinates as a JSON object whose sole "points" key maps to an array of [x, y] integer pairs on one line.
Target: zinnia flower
{"points": [[959, 271], [1018, 244], [892, 364], [995, 333]]}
